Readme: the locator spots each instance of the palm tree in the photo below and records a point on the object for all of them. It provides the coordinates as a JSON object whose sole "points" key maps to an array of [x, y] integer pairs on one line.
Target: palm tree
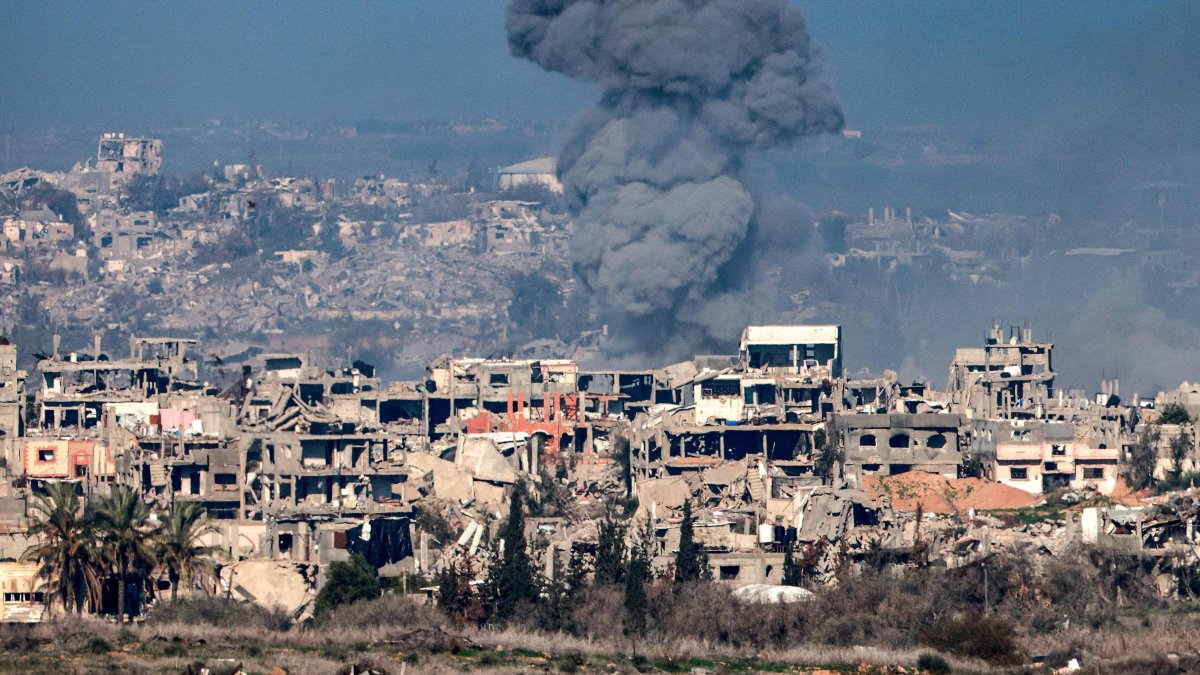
{"points": [[65, 548], [178, 547], [126, 536]]}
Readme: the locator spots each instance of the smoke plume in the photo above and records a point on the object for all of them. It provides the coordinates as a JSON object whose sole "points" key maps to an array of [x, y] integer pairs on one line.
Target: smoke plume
{"points": [[654, 173]]}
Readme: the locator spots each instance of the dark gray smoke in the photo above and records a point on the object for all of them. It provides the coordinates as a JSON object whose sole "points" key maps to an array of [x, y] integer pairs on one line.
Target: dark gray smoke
{"points": [[654, 173]]}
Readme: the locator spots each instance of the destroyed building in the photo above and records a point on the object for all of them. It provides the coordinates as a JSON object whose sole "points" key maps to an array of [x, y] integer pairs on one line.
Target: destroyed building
{"points": [[12, 401], [299, 464], [134, 155], [885, 445], [1040, 456], [540, 172], [35, 228], [123, 234], [1007, 377]]}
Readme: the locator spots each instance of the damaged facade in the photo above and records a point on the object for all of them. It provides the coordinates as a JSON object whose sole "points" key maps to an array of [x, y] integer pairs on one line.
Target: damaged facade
{"points": [[299, 464]]}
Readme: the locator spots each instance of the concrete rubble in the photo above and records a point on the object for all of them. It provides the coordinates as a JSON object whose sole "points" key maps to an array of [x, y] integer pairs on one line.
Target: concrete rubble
{"points": [[775, 447]]}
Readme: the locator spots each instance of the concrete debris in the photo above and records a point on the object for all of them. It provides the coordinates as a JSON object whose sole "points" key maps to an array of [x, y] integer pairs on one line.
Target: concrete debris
{"points": [[667, 493], [767, 594], [449, 482], [290, 587], [479, 456], [298, 465], [780, 445]]}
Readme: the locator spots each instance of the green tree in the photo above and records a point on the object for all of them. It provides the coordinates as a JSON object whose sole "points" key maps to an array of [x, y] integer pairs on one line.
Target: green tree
{"points": [[479, 176], [826, 455], [691, 561], [1181, 449], [536, 305], [637, 575], [1138, 466], [610, 550], [348, 581], [511, 579], [143, 191], [330, 239], [178, 548], [284, 229], [62, 202], [160, 193], [455, 595], [561, 596], [229, 248], [792, 574], [126, 535], [65, 550], [1173, 413]]}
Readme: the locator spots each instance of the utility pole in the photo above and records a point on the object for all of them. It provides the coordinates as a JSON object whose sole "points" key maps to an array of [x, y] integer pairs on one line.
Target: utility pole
{"points": [[985, 587]]}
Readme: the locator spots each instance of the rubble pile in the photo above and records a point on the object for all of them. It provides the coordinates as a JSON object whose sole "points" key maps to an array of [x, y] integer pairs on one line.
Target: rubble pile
{"points": [[774, 451], [933, 493]]}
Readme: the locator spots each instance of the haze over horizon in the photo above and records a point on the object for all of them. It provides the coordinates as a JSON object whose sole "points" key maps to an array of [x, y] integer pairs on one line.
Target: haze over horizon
{"points": [[1082, 109], [974, 67], [600, 335]]}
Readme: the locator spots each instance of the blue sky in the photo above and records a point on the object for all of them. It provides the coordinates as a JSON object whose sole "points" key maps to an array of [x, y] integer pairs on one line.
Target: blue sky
{"points": [[128, 64]]}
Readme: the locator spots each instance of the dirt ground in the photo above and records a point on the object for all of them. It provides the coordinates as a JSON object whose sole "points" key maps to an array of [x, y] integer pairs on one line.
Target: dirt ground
{"points": [[938, 494]]}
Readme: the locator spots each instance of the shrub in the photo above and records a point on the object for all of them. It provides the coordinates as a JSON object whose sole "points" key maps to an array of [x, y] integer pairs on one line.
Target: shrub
{"points": [[99, 645], [933, 663], [220, 612], [384, 612], [363, 666], [432, 521], [599, 612], [1173, 413], [570, 662], [1180, 481], [1138, 466], [15, 637], [349, 581], [974, 635]]}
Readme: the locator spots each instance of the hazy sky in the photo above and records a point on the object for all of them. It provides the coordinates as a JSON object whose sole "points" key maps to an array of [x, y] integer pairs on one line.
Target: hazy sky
{"points": [[131, 64], [1087, 107]]}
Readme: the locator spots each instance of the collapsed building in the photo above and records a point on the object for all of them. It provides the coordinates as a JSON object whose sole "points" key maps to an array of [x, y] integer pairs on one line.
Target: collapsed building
{"points": [[540, 172], [299, 464], [1040, 456], [133, 155], [888, 444], [1006, 378]]}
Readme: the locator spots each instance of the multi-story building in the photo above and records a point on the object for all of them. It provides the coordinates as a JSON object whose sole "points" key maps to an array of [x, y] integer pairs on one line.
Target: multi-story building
{"points": [[130, 156], [1008, 378]]}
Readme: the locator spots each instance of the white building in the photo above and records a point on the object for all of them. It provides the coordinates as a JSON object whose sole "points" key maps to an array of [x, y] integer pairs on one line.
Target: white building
{"points": [[122, 155], [791, 349], [541, 171]]}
